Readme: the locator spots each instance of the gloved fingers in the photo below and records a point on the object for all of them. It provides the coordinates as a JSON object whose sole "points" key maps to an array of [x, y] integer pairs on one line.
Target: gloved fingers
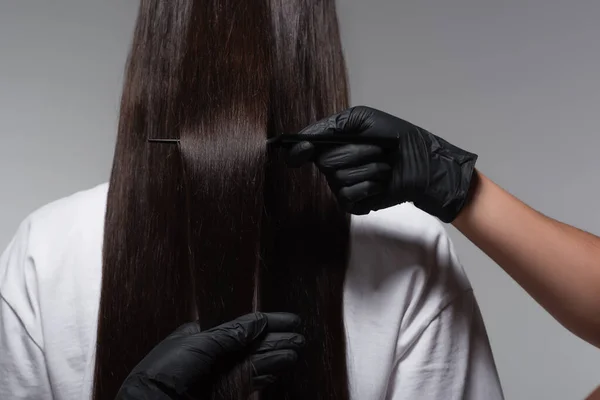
{"points": [[348, 156], [254, 320], [368, 172], [299, 154], [275, 322], [189, 355], [327, 126], [273, 362], [240, 333], [281, 341], [352, 120], [276, 354], [188, 329], [282, 322], [349, 195]]}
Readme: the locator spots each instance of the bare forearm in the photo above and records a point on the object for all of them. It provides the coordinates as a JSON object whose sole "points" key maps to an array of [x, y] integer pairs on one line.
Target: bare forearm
{"points": [[595, 394], [557, 264]]}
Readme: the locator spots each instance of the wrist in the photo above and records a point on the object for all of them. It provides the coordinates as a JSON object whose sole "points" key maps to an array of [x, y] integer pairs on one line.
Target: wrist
{"points": [[472, 193], [465, 215], [452, 176]]}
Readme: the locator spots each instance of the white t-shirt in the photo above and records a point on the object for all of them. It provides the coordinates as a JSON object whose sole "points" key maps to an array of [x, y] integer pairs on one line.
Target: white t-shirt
{"points": [[414, 330]]}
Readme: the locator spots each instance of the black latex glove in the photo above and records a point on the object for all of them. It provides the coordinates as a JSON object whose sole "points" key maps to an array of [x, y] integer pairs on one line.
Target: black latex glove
{"points": [[192, 360], [421, 167]]}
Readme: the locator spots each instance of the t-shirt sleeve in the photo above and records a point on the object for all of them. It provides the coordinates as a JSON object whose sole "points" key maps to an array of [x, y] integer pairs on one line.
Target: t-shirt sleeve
{"points": [[23, 372], [450, 360]]}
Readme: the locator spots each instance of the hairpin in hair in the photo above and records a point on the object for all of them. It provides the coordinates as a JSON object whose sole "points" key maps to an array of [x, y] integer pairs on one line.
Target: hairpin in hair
{"points": [[172, 141]]}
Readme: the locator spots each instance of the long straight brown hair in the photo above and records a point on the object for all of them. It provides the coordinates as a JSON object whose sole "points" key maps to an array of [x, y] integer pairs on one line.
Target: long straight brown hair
{"points": [[218, 226]]}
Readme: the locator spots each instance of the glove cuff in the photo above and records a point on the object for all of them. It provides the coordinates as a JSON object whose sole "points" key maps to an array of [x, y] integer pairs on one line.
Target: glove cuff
{"points": [[450, 176]]}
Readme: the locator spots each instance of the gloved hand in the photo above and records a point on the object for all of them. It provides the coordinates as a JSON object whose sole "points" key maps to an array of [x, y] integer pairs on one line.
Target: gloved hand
{"points": [[421, 167], [191, 359]]}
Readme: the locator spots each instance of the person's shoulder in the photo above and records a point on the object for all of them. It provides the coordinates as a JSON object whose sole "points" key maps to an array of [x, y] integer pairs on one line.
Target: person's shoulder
{"points": [[68, 222], [75, 208], [402, 224], [78, 211], [402, 270], [57, 235], [56, 249], [403, 242]]}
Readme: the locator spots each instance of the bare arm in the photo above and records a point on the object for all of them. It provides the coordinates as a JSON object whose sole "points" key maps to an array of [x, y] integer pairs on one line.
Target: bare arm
{"points": [[557, 264], [595, 395]]}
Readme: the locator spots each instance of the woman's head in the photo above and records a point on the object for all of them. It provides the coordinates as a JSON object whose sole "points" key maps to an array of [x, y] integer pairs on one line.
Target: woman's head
{"points": [[217, 226]]}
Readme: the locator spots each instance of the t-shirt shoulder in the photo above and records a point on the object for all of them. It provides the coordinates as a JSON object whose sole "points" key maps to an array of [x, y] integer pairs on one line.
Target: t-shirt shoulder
{"points": [[48, 285], [403, 276], [48, 234], [404, 222], [71, 211], [403, 249], [79, 214]]}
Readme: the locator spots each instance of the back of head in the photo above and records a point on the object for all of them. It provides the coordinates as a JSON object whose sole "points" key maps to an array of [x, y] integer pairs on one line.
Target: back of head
{"points": [[217, 226]]}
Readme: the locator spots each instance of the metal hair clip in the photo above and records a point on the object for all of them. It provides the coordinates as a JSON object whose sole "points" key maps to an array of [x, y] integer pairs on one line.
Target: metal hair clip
{"points": [[170, 141]]}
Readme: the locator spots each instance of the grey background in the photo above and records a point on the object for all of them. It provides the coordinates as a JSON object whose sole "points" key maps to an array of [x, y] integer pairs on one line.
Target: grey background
{"points": [[515, 81]]}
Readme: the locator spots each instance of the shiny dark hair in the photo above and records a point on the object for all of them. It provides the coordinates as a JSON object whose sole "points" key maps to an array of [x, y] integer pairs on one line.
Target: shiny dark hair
{"points": [[217, 226]]}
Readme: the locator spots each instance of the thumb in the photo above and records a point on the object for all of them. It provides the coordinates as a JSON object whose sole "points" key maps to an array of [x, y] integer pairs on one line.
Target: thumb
{"points": [[238, 334], [333, 124], [351, 120], [300, 154], [244, 331]]}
